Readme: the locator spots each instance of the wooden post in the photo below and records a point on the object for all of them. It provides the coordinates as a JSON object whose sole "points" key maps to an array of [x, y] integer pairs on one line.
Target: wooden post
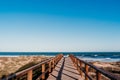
{"points": [[81, 68], [29, 75], [75, 62], [53, 63], [49, 66], [73, 59], [86, 70], [98, 75], [43, 70]]}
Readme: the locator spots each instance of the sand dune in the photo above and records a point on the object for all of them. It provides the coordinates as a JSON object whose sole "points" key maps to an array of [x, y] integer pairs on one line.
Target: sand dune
{"points": [[10, 65]]}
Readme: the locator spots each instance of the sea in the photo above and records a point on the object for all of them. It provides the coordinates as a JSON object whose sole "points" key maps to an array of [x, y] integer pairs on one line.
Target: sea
{"points": [[87, 56]]}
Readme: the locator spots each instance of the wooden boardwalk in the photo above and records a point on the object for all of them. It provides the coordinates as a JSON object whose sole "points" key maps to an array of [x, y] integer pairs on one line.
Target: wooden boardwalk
{"points": [[62, 69], [65, 70]]}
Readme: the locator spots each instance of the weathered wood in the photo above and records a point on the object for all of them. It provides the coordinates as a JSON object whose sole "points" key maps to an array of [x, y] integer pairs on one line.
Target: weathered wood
{"points": [[98, 77], [65, 70], [86, 70], [77, 64], [105, 73], [50, 67], [43, 70], [80, 69], [29, 75], [29, 71], [53, 63]]}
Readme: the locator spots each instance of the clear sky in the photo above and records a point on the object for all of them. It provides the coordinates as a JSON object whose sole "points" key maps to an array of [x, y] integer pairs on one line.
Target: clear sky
{"points": [[59, 25]]}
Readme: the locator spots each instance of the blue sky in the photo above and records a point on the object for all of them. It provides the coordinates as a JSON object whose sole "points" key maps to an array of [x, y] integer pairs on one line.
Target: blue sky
{"points": [[59, 25]]}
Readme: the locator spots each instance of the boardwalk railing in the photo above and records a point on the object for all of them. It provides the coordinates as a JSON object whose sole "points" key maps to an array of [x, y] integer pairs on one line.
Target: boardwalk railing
{"points": [[99, 72], [36, 72]]}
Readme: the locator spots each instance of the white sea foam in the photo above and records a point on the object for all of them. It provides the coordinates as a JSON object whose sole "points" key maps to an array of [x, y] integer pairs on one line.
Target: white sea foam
{"points": [[8, 56], [95, 55], [99, 59], [47, 55], [107, 58]]}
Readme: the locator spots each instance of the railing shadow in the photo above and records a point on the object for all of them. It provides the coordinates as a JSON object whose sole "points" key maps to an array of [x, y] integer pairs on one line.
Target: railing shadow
{"points": [[61, 69], [62, 65], [64, 74], [70, 70]]}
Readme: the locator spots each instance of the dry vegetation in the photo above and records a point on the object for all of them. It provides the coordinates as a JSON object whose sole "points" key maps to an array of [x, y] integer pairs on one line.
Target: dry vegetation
{"points": [[10, 65], [112, 67]]}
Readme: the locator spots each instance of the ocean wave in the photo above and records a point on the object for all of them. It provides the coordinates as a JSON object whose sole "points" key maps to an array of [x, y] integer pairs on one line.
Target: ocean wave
{"points": [[95, 55], [99, 59], [107, 58]]}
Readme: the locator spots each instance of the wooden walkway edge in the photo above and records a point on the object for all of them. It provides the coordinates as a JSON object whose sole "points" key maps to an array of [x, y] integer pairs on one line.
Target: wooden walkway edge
{"points": [[65, 70]]}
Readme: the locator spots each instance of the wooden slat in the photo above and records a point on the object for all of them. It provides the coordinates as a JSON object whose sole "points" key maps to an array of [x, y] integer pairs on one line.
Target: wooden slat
{"points": [[65, 70]]}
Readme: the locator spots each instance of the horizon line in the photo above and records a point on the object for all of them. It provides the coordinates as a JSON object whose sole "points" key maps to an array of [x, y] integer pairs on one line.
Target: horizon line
{"points": [[59, 51]]}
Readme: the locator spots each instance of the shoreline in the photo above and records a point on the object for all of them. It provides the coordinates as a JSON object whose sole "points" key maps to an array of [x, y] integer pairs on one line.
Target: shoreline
{"points": [[89, 59]]}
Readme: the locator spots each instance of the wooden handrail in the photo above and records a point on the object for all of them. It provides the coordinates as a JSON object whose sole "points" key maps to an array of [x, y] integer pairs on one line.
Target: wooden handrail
{"points": [[50, 63], [78, 63]]}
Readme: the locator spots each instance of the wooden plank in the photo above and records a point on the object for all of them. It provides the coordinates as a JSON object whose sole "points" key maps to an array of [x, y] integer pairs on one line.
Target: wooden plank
{"points": [[65, 70]]}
